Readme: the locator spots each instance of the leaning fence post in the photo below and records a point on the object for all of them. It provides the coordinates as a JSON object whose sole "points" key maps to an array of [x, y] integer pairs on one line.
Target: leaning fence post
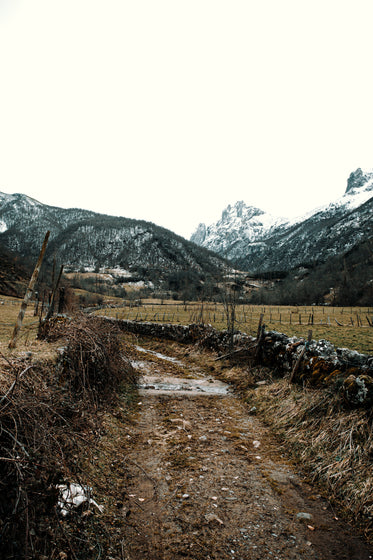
{"points": [[28, 294], [297, 363], [51, 305], [259, 336]]}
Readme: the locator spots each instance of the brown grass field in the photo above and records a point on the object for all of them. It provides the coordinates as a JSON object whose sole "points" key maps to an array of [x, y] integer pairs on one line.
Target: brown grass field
{"points": [[9, 309], [353, 330], [343, 326]]}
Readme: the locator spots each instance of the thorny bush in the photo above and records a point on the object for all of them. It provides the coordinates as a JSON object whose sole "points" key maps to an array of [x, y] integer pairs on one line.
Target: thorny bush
{"points": [[46, 427], [93, 362]]}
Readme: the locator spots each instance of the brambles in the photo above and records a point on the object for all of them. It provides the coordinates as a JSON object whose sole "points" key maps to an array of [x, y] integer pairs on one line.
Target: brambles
{"points": [[93, 363], [48, 427]]}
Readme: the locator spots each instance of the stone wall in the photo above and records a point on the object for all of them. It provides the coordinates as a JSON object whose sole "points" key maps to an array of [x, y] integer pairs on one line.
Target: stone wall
{"points": [[321, 365], [315, 363]]}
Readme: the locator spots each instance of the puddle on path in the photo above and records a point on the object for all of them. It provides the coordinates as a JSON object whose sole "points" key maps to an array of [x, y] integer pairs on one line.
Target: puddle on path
{"points": [[159, 355], [166, 385]]}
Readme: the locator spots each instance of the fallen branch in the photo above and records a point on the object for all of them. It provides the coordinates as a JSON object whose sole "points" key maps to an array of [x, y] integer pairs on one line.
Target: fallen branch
{"points": [[11, 389], [19, 460], [237, 351]]}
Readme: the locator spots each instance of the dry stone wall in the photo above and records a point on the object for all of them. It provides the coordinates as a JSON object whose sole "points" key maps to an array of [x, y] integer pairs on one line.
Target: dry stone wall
{"points": [[322, 365], [316, 363]]}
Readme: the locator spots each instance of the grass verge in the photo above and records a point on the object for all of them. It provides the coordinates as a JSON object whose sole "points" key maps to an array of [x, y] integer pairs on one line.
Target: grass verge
{"points": [[333, 444]]}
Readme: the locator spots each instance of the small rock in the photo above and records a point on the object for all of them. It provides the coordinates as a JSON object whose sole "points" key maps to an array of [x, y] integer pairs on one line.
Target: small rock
{"points": [[212, 517], [304, 516]]}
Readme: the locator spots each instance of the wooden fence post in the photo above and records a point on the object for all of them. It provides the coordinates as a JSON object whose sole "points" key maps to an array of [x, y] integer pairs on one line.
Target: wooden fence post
{"points": [[51, 305], [297, 363], [28, 294], [259, 336]]}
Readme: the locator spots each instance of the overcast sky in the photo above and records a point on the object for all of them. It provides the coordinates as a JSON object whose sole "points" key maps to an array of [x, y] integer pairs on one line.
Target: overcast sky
{"points": [[169, 111]]}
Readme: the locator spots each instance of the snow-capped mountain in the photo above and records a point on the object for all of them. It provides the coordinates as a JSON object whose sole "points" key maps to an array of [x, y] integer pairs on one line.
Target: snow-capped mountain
{"points": [[81, 239], [238, 226], [260, 242]]}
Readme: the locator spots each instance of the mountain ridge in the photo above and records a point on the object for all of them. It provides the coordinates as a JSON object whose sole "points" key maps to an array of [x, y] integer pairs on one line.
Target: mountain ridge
{"points": [[259, 241], [82, 239]]}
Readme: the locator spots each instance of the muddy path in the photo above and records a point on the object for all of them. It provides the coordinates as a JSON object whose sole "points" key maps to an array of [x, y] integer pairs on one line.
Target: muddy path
{"points": [[203, 479]]}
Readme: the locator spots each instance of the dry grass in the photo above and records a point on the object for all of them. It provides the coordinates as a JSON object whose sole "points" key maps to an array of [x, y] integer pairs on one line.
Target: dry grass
{"points": [[293, 321], [50, 421], [9, 309], [334, 444]]}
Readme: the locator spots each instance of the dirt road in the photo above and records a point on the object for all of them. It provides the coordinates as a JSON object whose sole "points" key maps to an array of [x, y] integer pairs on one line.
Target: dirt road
{"points": [[204, 479]]}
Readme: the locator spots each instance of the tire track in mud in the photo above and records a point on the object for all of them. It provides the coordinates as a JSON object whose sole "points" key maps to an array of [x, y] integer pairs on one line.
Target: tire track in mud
{"points": [[206, 481]]}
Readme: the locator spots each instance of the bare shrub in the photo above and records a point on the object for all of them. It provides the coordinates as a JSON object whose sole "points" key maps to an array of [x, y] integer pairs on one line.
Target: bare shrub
{"points": [[48, 427], [39, 429], [94, 361]]}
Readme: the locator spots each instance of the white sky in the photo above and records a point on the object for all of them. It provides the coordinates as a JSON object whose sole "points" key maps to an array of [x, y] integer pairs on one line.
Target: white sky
{"points": [[169, 110]]}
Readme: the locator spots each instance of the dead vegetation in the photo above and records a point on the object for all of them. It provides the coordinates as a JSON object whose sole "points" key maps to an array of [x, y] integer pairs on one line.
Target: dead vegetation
{"points": [[52, 415], [331, 441], [93, 359], [50, 420], [316, 425]]}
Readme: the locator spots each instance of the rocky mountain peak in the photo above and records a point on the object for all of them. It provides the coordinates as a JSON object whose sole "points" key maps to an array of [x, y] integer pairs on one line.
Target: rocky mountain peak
{"points": [[240, 210], [260, 242], [358, 179], [199, 235]]}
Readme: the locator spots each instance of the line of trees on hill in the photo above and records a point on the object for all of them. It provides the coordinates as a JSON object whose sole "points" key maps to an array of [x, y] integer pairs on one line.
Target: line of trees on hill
{"points": [[342, 280]]}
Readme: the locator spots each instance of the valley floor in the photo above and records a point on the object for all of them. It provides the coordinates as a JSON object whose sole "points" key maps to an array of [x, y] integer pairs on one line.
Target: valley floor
{"points": [[195, 475]]}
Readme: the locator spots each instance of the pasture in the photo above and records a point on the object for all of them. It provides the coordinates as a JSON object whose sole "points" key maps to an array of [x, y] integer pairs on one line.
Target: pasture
{"points": [[9, 309], [343, 326]]}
